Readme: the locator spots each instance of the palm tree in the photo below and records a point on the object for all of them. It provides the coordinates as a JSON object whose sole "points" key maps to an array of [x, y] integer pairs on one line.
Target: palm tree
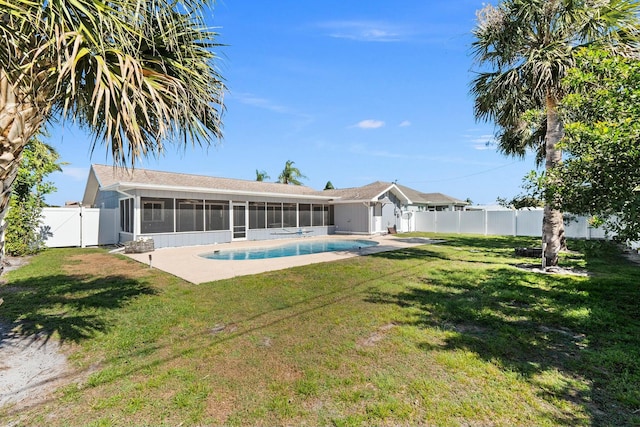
{"points": [[290, 175], [261, 175], [137, 74], [528, 45]]}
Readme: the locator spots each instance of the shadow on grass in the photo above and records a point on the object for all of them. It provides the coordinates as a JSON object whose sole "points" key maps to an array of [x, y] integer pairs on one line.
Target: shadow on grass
{"points": [[71, 306], [586, 329]]}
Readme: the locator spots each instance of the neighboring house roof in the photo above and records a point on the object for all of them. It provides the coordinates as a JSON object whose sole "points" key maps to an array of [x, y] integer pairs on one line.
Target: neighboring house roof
{"points": [[112, 178], [370, 192], [432, 199], [442, 199]]}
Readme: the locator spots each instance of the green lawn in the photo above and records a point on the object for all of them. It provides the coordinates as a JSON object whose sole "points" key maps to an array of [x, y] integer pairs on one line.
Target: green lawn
{"points": [[449, 334]]}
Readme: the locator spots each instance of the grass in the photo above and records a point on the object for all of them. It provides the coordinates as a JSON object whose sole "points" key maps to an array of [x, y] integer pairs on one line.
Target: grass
{"points": [[449, 334]]}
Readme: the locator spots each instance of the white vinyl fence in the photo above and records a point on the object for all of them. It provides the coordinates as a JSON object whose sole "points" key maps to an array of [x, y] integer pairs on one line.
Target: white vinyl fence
{"points": [[503, 223], [78, 226]]}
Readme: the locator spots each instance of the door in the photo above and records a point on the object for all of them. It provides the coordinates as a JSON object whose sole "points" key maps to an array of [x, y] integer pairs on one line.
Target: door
{"points": [[377, 218], [239, 222]]}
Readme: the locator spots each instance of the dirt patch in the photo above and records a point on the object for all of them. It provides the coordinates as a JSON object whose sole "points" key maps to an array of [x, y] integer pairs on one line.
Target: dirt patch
{"points": [[11, 263], [30, 367], [101, 265], [570, 271], [631, 255], [376, 337]]}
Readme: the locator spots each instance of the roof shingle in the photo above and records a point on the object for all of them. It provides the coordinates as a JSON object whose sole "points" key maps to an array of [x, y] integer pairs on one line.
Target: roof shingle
{"points": [[110, 175]]}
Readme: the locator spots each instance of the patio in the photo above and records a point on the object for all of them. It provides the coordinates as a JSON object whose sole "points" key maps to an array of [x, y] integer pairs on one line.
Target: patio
{"points": [[186, 262]]}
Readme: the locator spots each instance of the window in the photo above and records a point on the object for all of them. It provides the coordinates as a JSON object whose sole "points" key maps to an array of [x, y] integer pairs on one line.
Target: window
{"points": [[332, 215], [289, 215], [274, 215], [153, 211], [189, 215], [216, 215], [304, 215], [317, 219], [325, 215], [257, 215], [157, 215], [126, 215]]}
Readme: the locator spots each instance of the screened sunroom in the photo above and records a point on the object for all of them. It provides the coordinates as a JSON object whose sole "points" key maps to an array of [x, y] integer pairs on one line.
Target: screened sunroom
{"points": [[183, 210]]}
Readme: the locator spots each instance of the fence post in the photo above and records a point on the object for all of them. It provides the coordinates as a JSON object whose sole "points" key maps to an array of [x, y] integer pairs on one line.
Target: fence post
{"points": [[486, 222], [515, 223], [82, 245], [435, 221]]}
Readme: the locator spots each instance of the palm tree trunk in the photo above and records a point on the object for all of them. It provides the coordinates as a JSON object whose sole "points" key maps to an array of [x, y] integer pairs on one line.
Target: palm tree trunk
{"points": [[20, 119], [553, 238]]}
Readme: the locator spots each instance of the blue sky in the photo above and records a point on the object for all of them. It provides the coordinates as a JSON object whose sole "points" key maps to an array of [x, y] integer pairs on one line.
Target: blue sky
{"points": [[352, 92]]}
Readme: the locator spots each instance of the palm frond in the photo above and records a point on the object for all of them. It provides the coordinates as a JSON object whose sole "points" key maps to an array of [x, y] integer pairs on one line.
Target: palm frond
{"points": [[138, 74]]}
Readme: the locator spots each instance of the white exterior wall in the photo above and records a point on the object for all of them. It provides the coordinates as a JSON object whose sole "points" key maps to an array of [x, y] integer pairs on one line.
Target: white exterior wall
{"points": [[352, 218]]}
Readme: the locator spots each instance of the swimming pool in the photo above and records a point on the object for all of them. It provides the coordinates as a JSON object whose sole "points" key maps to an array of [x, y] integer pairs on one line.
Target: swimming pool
{"points": [[290, 249]]}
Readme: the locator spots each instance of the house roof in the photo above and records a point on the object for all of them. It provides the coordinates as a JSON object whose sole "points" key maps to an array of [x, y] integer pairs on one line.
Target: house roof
{"points": [[369, 192], [102, 177], [439, 198], [418, 197], [120, 179]]}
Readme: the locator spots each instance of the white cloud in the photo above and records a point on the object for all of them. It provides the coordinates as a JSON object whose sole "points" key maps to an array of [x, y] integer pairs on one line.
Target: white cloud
{"points": [[486, 139], [301, 119], [367, 31], [481, 142], [405, 123], [78, 174], [263, 103], [370, 124], [361, 149]]}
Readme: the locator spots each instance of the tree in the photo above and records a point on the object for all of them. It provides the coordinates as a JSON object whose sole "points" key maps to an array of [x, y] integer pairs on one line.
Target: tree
{"points": [[27, 199], [601, 174], [530, 198], [329, 186], [290, 174], [136, 74], [529, 45], [261, 175]]}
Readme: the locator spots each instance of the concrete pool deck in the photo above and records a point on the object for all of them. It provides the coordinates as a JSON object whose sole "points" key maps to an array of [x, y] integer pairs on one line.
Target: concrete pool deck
{"points": [[186, 262]]}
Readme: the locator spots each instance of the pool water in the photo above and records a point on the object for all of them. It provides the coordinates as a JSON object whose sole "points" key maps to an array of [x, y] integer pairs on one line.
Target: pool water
{"points": [[290, 249]]}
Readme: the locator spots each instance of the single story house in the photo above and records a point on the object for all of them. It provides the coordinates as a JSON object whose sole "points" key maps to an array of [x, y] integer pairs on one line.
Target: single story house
{"points": [[176, 209]]}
